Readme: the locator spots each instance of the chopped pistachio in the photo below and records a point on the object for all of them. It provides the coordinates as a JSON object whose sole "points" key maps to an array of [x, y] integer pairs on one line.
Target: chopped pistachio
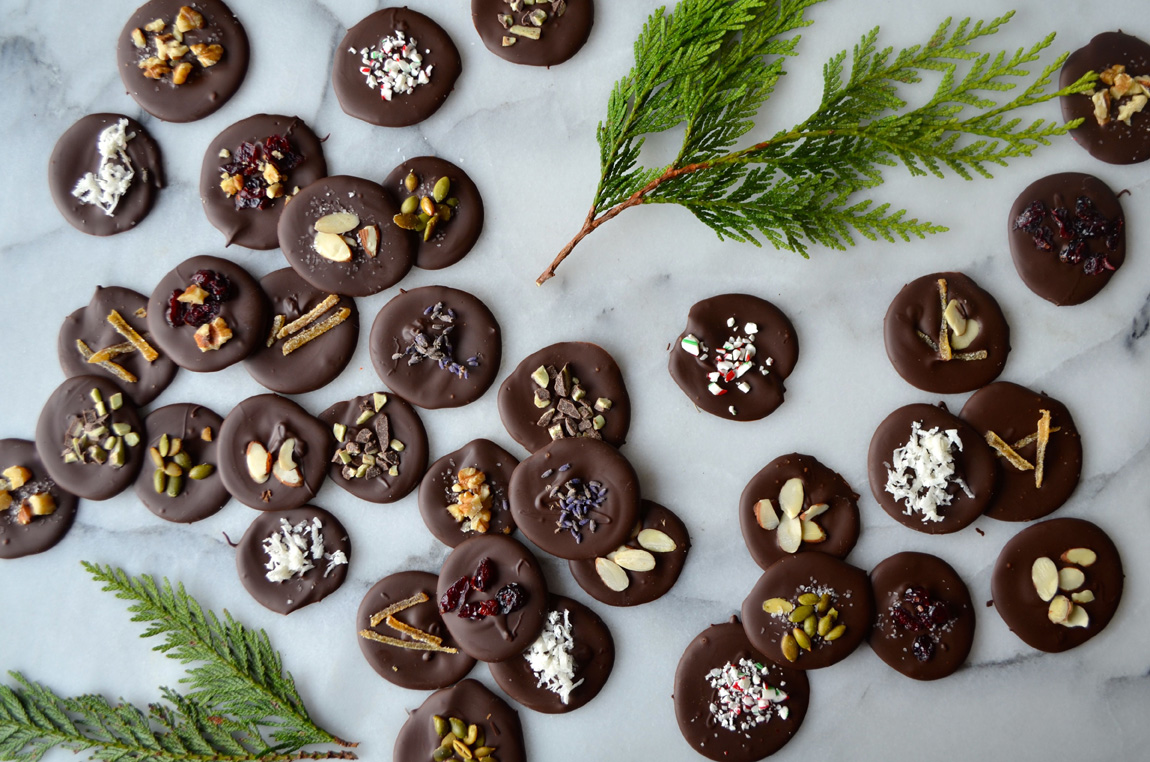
{"points": [[340, 432], [116, 401], [602, 404], [121, 429], [396, 445], [364, 417], [540, 376], [378, 400], [598, 422], [132, 439]]}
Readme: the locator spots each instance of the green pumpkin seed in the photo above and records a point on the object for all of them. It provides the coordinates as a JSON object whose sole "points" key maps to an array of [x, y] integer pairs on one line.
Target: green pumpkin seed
{"points": [[824, 603], [183, 460], [410, 204], [411, 182], [442, 188], [160, 481], [790, 647], [173, 470], [452, 202], [427, 205], [406, 221], [175, 484], [448, 740], [202, 471], [836, 633], [809, 626], [484, 751], [808, 599], [164, 446], [472, 733], [429, 230], [458, 727], [443, 212], [440, 725], [801, 638], [801, 613], [479, 739], [157, 459], [825, 626], [442, 754], [462, 751]]}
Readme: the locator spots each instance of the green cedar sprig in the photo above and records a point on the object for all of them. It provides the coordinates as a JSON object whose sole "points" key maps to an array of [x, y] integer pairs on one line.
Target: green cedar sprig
{"points": [[709, 66]]}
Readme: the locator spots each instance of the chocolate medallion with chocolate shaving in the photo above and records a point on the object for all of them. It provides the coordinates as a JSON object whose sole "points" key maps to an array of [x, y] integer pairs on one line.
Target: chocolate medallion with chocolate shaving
{"points": [[36, 513], [461, 707], [455, 201], [464, 493], [181, 480], [1115, 116], [545, 33]]}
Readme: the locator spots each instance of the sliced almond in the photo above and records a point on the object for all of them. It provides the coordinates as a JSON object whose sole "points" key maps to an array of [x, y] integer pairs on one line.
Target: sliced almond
{"points": [[287, 477], [968, 336], [1080, 556], [656, 541], [286, 460], [259, 462], [1044, 575], [954, 317], [778, 606], [1059, 609], [791, 497], [818, 509], [1070, 578], [337, 223], [812, 532], [369, 240], [790, 534], [332, 247], [1077, 617], [765, 515], [1082, 596], [634, 559], [612, 575]]}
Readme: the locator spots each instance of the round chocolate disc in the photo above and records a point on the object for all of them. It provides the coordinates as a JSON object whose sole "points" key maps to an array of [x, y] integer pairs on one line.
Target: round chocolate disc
{"points": [[273, 455], [669, 551], [196, 491], [464, 493], [1116, 141], [1076, 553], [591, 650], [413, 665], [520, 37], [719, 656], [309, 364], [1067, 236], [473, 704], [436, 347], [206, 54], [913, 327], [372, 436], [925, 623], [1013, 413], [773, 601], [579, 383], [250, 171], [38, 512], [90, 325], [970, 476], [514, 584], [369, 254], [281, 583], [76, 167], [367, 91], [734, 355], [834, 527], [84, 439], [576, 498], [232, 315], [450, 239]]}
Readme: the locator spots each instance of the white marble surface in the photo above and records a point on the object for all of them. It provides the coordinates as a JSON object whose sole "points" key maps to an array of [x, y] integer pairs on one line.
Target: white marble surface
{"points": [[527, 137]]}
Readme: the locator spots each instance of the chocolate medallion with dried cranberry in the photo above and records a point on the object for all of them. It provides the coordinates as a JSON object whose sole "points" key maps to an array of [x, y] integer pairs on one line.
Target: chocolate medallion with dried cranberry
{"points": [[272, 454], [544, 34], [402, 635], [718, 670], [181, 481], [944, 334], [929, 470], [440, 206], [465, 718], [733, 356], [566, 666], [105, 173], [339, 234], [576, 498], [182, 61], [35, 513], [207, 314], [492, 597], [110, 337], [1067, 237], [1036, 447], [643, 569], [570, 389], [925, 623], [90, 438], [1058, 583], [464, 493], [395, 68], [1116, 120], [250, 172], [380, 446], [436, 347], [809, 611], [312, 338], [796, 504], [293, 558]]}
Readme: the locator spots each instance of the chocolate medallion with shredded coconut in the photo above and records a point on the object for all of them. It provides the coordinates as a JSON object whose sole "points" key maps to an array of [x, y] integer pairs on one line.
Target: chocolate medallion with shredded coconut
{"points": [[551, 656], [921, 472], [293, 551]]}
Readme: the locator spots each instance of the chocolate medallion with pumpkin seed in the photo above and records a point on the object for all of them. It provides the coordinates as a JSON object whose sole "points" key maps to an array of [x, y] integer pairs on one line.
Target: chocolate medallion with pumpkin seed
{"points": [[465, 722], [180, 481], [441, 207]]}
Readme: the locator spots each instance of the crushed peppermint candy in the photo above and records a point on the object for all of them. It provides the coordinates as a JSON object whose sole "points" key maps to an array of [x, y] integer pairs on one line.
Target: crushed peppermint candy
{"points": [[921, 472], [743, 698], [293, 551], [733, 360], [551, 656], [394, 66], [112, 179]]}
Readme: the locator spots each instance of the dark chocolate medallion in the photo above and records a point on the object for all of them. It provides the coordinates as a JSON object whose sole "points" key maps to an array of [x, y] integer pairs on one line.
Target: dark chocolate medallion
{"points": [[492, 597], [250, 173], [1036, 446], [717, 669], [929, 470], [796, 504], [576, 498], [35, 513], [571, 389], [436, 347], [339, 234], [464, 493], [925, 623], [312, 337], [429, 187], [402, 635], [293, 558], [544, 34], [1057, 583], [946, 335], [395, 68], [105, 173], [734, 355], [1116, 121], [182, 61], [272, 454], [119, 343], [380, 446], [460, 708], [181, 481]]}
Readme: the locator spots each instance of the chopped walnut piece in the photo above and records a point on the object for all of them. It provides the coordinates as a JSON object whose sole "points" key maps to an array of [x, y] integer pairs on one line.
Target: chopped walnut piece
{"points": [[167, 48], [208, 55], [206, 434], [189, 18], [213, 335], [17, 476], [1121, 85], [41, 504], [1131, 107], [275, 190], [181, 72], [1109, 75], [271, 174], [1101, 106], [231, 184], [154, 68], [138, 38], [155, 26], [193, 294]]}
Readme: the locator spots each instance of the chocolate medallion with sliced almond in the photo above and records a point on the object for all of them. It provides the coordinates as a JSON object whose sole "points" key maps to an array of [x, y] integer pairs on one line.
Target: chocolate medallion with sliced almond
{"points": [[35, 513]]}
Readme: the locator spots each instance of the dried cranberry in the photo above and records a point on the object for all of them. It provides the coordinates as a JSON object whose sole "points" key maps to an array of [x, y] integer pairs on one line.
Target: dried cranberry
{"points": [[906, 620], [939, 613], [1094, 264], [216, 284], [1085, 209], [511, 597], [1073, 252], [1064, 222], [482, 575], [914, 595], [1043, 239], [1031, 217], [1091, 228], [245, 154], [480, 610], [923, 648], [175, 311], [451, 597], [199, 314]]}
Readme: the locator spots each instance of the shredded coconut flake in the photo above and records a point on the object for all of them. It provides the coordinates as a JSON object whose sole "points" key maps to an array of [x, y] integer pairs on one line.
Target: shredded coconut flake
{"points": [[293, 551], [108, 184], [550, 656], [921, 471], [743, 699]]}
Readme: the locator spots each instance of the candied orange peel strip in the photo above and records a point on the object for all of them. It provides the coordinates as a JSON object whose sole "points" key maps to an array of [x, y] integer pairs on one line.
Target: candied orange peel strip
{"points": [[119, 371], [1033, 438], [129, 333], [112, 352], [413, 632], [411, 645], [1043, 439], [303, 321], [277, 325], [397, 607], [1006, 451], [317, 330], [422, 641], [943, 335]]}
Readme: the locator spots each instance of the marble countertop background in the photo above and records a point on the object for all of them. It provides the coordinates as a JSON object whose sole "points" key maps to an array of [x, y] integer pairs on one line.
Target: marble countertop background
{"points": [[527, 138]]}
